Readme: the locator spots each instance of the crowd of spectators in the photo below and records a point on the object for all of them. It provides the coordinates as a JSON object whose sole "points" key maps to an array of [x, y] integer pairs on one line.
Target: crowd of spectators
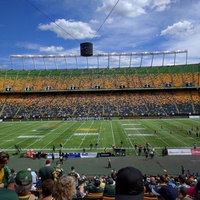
{"points": [[99, 104], [52, 182]]}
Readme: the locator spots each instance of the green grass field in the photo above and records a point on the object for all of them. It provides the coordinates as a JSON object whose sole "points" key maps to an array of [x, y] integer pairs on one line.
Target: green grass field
{"points": [[76, 135]]}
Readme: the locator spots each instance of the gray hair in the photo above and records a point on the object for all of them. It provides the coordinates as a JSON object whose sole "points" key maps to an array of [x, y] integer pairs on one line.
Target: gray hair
{"points": [[22, 190]]}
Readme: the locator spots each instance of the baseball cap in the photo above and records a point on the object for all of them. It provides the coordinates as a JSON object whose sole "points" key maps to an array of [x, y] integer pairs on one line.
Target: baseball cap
{"points": [[166, 192], [182, 190], [97, 183], [110, 181], [29, 169], [23, 178], [194, 191], [129, 184]]}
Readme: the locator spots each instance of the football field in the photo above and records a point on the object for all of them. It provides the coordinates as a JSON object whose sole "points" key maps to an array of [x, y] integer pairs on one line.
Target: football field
{"points": [[76, 135]]}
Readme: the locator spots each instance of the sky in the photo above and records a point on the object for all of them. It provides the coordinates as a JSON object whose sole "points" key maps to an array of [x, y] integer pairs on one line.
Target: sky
{"points": [[58, 27]]}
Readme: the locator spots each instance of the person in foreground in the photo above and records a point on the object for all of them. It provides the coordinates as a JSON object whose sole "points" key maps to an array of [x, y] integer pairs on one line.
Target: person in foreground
{"points": [[129, 184], [166, 192], [65, 188], [9, 192], [4, 169], [47, 189], [194, 191], [23, 184]]}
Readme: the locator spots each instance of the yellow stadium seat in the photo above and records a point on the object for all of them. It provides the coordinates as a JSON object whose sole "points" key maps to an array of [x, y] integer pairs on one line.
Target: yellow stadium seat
{"points": [[94, 196], [150, 198], [108, 198]]}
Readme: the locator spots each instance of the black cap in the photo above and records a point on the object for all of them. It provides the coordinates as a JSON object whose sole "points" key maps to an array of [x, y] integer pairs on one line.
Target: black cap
{"points": [[129, 184]]}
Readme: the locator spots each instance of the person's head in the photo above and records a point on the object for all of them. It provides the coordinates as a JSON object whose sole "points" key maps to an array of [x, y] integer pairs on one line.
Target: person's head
{"points": [[97, 182], [47, 187], [152, 179], [182, 178], [23, 181], [166, 192], [129, 184], [4, 158], [12, 171], [163, 179], [65, 188], [58, 163], [48, 162], [110, 181], [72, 168], [182, 192], [11, 183]]}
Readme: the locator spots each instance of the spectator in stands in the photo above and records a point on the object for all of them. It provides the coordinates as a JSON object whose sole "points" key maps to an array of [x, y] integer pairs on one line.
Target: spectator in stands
{"points": [[129, 184], [23, 186], [102, 181], [109, 189], [47, 171], [47, 189], [151, 183], [182, 195], [65, 188], [162, 181], [34, 178], [59, 170], [88, 183], [9, 192], [4, 169], [165, 192], [194, 191], [74, 174], [12, 171], [95, 187], [191, 181], [114, 174], [182, 181]]}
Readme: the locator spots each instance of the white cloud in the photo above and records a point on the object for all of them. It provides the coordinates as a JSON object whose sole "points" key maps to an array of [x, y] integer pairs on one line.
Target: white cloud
{"points": [[182, 29], [133, 8], [69, 29], [52, 49], [161, 5], [125, 8]]}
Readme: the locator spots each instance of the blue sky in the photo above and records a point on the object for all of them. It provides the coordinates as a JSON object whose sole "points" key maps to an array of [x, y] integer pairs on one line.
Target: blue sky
{"points": [[48, 27]]}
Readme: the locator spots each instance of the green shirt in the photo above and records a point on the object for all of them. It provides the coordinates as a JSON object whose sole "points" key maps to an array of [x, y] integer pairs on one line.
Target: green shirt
{"points": [[59, 171], [109, 190], [7, 173], [46, 172], [93, 189], [8, 194]]}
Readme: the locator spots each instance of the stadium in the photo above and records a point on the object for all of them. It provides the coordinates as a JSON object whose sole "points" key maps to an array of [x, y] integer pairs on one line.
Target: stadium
{"points": [[102, 106], [139, 109]]}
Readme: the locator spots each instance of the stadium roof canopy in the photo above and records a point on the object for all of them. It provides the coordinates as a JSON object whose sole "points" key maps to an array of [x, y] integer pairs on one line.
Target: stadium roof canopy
{"points": [[103, 60]]}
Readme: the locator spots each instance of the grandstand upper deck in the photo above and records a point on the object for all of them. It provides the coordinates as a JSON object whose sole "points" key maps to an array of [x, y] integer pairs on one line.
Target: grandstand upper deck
{"points": [[105, 78]]}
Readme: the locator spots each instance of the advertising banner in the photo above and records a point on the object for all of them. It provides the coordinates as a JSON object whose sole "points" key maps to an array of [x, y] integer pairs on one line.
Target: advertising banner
{"points": [[179, 152], [89, 155], [195, 151]]}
